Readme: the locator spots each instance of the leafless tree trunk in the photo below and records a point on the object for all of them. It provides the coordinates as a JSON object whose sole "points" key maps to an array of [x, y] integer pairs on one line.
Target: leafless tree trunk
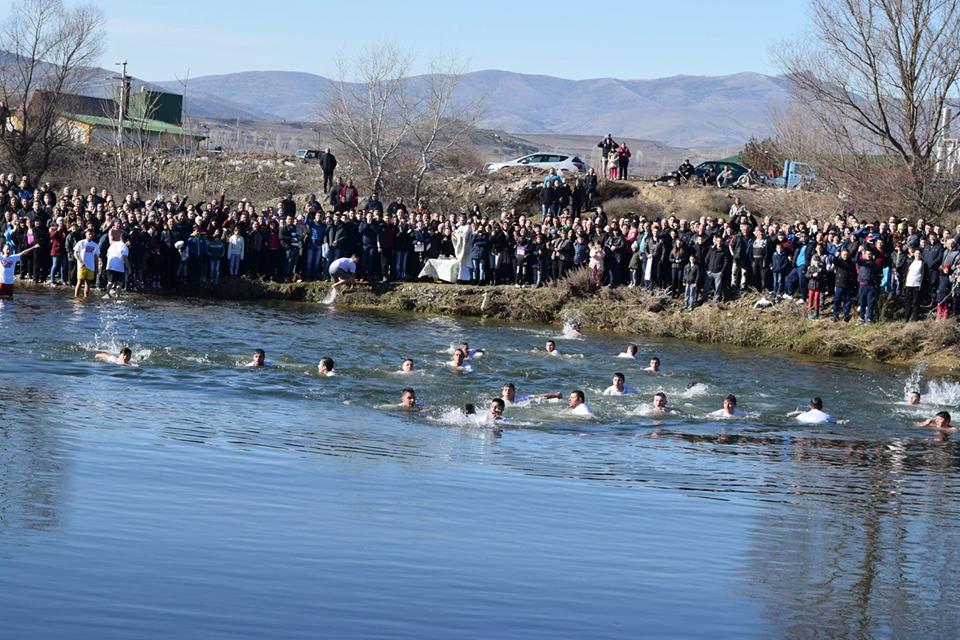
{"points": [[876, 75], [366, 117], [437, 124], [53, 49]]}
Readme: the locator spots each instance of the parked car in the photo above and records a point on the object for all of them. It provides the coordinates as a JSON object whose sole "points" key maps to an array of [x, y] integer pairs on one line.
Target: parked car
{"points": [[308, 154], [704, 171], [796, 175], [543, 160]]}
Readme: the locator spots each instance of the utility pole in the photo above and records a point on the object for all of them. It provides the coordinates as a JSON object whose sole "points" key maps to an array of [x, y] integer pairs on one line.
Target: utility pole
{"points": [[124, 100]]}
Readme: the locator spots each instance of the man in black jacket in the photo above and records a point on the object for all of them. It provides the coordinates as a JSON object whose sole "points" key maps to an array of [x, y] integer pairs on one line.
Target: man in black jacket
{"points": [[845, 274], [717, 259], [328, 162]]}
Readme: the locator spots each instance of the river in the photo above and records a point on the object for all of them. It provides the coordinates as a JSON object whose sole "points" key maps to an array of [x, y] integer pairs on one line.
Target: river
{"points": [[191, 497]]}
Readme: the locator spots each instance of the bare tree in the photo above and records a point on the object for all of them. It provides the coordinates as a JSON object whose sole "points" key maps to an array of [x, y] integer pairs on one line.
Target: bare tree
{"points": [[437, 123], [366, 117], [876, 76], [53, 49]]}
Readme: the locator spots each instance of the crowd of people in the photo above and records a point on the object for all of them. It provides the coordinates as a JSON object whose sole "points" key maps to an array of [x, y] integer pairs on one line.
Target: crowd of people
{"points": [[835, 264]]}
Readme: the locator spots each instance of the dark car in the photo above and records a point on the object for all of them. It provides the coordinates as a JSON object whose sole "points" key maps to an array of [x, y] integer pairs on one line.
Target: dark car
{"points": [[704, 173]]}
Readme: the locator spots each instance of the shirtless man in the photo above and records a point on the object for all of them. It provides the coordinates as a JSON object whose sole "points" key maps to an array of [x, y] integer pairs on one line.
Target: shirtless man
{"points": [[122, 359], [654, 366], [408, 399], [631, 352], [259, 359], [406, 366], [940, 422]]}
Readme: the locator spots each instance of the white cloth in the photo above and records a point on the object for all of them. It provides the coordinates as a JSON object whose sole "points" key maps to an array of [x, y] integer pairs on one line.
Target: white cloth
{"points": [[722, 413], [914, 274], [87, 251], [8, 263], [445, 269], [582, 409], [343, 264], [815, 416], [462, 246], [627, 391], [116, 252], [626, 355]]}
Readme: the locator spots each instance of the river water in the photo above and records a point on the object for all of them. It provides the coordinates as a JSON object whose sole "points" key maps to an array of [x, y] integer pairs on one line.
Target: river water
{"points": [[190, 496]]}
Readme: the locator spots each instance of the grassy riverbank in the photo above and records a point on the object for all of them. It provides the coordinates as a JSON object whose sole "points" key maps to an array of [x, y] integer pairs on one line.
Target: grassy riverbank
{"points": [[632, 311]]}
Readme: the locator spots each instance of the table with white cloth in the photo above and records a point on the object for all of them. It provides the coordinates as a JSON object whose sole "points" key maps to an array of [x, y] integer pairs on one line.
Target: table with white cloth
{"points": [[446, 269]]}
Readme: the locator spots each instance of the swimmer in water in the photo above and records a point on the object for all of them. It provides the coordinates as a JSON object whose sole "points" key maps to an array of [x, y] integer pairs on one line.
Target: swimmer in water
{"points": [[406, 366], [940, 422], [631, 352], [467, 353], [573, 331], [122, 359], [456, 361], [497, 406], [619, 387], [325, 367], [654, 366], [259, 359], [469, 409], [815, 414], [729, 409], [509, 395], [913, 397], [551, 348], [659, 404], [408, 399], [577, 404]]}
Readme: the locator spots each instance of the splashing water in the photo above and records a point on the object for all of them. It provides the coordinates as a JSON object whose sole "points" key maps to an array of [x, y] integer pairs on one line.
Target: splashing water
{"points": [[942, 393], [695, 390], [571, 327], [913, 380], [331, 297]]}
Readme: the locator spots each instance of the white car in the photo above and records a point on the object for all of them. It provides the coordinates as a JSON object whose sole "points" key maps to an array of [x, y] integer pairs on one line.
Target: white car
{"points": [[543, 160]]}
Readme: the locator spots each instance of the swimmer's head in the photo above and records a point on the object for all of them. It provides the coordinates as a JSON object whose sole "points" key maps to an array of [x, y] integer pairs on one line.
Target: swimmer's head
{"points": [[816, 403], [325, 366], [407, 366], [655, 364], [496, 408], [913, 397], [632, 349], [509, 392], [660, 400], [458, 357], [469, 409], [618, 381], [730, 403], [125, 355], [942, 420], [551, 346], [576, 399], [408, 398], [259, 355]]}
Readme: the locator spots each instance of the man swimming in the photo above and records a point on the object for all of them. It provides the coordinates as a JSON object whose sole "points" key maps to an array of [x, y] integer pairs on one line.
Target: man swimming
{"points": [[940, 422], [497, 406], [577, 404], [344, 270], [654, 366], [408, 399], [815, 414], [631, 352], [551, 348], [456, 361], [470, 353], [913, 397], [406, 366], [325, 367], [729, 409], [259, 359], [509, 395], [619, 388], [122, 359], [659, 404]]}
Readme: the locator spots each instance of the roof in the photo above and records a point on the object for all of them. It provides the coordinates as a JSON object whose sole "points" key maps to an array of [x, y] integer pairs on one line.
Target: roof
{"points": [[153, 126]]}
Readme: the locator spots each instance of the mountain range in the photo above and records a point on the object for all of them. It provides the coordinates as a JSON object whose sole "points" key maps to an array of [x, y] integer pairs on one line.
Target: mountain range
{"points": [[688, 111]]}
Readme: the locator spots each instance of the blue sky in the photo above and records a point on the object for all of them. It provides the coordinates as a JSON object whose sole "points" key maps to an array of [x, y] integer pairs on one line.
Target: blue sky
{"points": [[568, 39]]}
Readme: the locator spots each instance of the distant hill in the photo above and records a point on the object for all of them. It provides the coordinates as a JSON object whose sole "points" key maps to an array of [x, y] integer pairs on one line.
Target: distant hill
{"points": [[686, 111]]}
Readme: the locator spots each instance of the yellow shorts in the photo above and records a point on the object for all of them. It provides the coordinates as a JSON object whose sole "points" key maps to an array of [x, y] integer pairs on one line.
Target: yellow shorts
{"points": [[85, 274]]}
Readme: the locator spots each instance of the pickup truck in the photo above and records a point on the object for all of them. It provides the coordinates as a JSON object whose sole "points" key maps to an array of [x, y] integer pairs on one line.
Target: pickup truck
{"points": [[796, 175]]}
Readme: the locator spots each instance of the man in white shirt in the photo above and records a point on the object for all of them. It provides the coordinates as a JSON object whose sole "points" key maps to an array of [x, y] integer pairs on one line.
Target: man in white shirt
{"points": [[117, 265], [86, 252], [816, 415], [8, 264], [577, 404], [631, 352], [344, 270], [913, 283], [619, 387], [729, 409]]}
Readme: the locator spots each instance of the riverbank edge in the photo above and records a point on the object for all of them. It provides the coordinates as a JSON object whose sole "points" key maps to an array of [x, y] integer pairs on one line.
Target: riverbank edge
{"points": [[782, 327]]}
